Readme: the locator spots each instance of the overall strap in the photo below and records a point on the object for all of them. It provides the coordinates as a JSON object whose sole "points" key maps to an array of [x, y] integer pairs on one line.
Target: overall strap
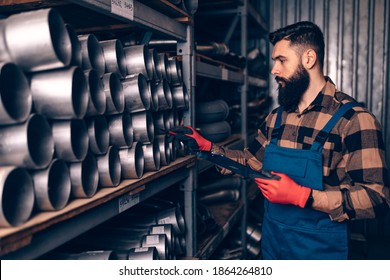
{"points": [[324, 133], [276, 130]]}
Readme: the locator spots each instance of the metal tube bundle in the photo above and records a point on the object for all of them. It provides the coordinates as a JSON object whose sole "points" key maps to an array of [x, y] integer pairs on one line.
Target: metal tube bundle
{"points": [[92, 54], [16, 196], [35, 41], [52, 186]]}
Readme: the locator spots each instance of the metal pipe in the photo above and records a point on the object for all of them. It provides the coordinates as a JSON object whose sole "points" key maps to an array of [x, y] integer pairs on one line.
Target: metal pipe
{"points": [[92, 54], [165, 152], [114, 57], [143, 127], [115, 98], [16, 196], [15, 94], [139, 60], [166, 229], [52, 186], [222, 196], [97, 97], [174, 71], [60, 93], [215, 132], [76, 57], [164, 94], [99, 135], [137, 93], [159, 241], [109, 168], [162, 65], [132, 161], [211, 111], [84, 177], [121, 130], [70, 139], [35, 40], [29, 144], [180, 96], [152, 156]]}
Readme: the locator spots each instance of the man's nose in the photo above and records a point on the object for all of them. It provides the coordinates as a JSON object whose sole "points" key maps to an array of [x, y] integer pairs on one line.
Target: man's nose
{"points": [[274, 70]]}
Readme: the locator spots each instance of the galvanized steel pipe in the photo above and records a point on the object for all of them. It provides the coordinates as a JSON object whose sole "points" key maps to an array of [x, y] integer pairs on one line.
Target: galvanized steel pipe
{"points": [[99, 135], [152, 156], [143, 127], [115, 98], [154, 106], [121, 130], [15, 94], [35, 40], [60, 94], [180, 96], [159, 241], [139, 60], [109, 167], [70, 139], [92, 54], [52, 186], [84, 177], [174, 71], [164, 94], [137, 93], [132, 161], [143, 253], [16, 196], [97, 97], [29, 144], [114, 57], [165, 152], [157, 75]]}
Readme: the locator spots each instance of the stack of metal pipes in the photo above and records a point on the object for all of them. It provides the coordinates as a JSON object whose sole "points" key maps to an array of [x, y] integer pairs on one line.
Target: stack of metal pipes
{"points": [[77, 114]]}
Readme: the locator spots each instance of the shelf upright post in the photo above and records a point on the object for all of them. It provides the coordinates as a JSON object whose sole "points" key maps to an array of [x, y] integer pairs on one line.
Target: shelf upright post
{"points": [[186, 50], [244, 114]]}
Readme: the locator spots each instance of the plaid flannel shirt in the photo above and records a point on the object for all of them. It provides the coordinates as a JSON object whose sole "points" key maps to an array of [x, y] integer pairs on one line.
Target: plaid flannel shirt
{"points": [[355, 175]]}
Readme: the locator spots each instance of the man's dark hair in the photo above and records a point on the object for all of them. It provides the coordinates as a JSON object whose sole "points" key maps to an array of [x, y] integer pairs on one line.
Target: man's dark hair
{"points": [[304, 35]]}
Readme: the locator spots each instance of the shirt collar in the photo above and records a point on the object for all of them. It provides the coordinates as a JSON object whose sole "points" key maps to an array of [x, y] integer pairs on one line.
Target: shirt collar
{"points": [[326, 94]]}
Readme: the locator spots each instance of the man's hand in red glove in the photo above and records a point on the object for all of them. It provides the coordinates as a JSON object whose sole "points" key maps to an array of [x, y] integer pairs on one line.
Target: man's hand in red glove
{"points": [[283, 191], [191, 137]]}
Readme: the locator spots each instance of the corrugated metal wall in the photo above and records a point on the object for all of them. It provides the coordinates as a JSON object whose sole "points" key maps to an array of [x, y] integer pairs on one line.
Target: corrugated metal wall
{"points": [[357, 52]]}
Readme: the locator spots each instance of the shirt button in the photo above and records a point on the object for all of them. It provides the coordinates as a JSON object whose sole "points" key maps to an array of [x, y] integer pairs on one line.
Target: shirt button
{"points": [[294, 134], [299, 116]]}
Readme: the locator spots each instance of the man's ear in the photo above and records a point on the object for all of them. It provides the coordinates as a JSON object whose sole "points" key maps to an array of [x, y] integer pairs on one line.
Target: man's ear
{"points": [[309, 58]]}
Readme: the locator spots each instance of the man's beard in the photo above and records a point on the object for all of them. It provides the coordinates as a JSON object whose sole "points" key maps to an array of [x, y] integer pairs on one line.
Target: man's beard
{"points": [[291, 93]]}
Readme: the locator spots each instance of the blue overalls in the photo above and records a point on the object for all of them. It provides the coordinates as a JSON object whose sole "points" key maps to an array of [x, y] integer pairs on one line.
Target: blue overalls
{"points": [[291, 232]]}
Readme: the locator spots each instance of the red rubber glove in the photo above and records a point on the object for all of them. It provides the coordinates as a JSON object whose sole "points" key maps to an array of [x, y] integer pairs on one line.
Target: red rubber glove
{"points": [[283, 191], [189, 135]]}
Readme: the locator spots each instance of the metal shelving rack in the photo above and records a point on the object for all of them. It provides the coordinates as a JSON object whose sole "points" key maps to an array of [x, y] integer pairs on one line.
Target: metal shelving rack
{"points": [[242, 11]]}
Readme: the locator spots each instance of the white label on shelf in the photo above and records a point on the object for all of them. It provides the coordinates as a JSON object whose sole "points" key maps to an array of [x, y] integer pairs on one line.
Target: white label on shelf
{"points": [[124, 8], [225, 74], [127, 201], [152, 239], [157, 230]]}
